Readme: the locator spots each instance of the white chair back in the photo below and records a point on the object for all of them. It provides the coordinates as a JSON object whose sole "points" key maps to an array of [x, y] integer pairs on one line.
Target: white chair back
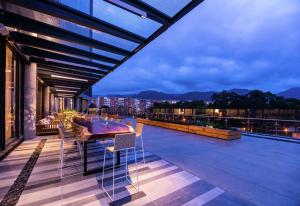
{"points": [[84, 133], [61, 131], [139, 129], [76, 128], [124, 141]]}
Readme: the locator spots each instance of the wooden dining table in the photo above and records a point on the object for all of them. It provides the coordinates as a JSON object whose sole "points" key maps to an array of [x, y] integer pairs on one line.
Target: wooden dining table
{"points": [[100, 130]]}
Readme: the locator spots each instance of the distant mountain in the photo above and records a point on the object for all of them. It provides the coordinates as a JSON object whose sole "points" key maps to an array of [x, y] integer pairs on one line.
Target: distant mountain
{"points": [[291, 93], [240, 91], [155, 95], [205, 96]]}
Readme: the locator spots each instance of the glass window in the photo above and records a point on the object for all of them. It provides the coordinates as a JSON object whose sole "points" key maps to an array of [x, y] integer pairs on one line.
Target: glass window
{"points": [[10, 92]]}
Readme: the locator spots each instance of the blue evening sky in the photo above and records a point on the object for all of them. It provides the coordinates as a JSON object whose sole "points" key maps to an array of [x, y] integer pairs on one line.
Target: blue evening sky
{"points": [[221, 44]]}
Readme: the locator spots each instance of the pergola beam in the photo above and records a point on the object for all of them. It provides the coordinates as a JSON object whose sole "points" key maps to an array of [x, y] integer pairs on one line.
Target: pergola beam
{"points": [[24, 23], [51, 55], [68, 71], [66, 82], [47, 76], [58, 71], [68, 13], [152, 13], [50, 45], [59, 83], [43, 62], [163, 28]]}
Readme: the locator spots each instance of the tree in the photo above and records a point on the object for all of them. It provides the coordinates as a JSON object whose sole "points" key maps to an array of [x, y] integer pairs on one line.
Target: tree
{"points": [[256, 100]]}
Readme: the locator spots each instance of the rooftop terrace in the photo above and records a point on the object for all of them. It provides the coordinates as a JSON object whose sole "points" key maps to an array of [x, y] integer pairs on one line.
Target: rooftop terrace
{"points": [[180, 169]]}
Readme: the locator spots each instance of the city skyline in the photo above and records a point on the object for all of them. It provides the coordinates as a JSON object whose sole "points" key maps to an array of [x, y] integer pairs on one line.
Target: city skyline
{"points": [[220, 45]]}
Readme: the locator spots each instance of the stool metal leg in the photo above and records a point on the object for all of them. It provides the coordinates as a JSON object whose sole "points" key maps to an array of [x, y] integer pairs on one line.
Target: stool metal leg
{"points": [[61, 158], [113, 196], [143, 149], [79, 150], [126, 165], [137, 170], [103, 169]]}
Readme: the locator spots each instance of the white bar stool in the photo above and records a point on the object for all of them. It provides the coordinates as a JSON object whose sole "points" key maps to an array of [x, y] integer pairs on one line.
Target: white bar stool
{"points": [[121, 142], [139, 135], [66, 137]]}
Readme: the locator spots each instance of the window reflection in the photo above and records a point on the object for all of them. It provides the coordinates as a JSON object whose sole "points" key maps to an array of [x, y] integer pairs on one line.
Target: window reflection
{"points": [[10, 102]]}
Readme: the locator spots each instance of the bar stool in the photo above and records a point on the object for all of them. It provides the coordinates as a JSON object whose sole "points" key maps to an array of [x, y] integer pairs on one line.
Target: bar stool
{"points": [[118, 121], [121, 142], [66, 137], [139, 135], [129, 123]]}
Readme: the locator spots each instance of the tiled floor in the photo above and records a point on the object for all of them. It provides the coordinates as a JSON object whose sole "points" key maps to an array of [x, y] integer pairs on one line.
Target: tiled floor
{"points": [[260, 171], [162, 183]]}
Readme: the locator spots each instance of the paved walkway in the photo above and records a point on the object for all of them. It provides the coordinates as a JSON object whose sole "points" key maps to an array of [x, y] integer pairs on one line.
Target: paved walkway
{"points": [[30, 176], [260, 171]]}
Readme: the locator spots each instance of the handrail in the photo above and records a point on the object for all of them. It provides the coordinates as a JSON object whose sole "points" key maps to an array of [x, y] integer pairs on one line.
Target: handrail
{"points": [[247, 118]]}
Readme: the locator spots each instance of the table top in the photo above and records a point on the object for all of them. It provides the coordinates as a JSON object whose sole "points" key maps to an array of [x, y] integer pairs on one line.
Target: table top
{"points": [[99, 129]]}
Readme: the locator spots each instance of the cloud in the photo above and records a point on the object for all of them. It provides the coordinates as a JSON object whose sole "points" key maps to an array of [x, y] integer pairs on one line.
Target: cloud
{"points": [[219, 45]]}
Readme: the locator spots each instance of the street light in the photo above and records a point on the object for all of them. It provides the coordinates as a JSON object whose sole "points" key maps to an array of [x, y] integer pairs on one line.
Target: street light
{"points": [[286, 131]]}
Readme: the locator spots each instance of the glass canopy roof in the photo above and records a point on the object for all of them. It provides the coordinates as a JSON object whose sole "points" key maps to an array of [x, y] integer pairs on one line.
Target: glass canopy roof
{"points": [[86, 39]]}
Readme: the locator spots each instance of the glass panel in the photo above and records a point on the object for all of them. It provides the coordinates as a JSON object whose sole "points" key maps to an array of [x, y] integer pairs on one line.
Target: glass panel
{"points": [[82, 47], [81, 5], [10, 102], [105, 63], [168, 7], [122, 18], [84, 31], [108, 54], [115, 41]]}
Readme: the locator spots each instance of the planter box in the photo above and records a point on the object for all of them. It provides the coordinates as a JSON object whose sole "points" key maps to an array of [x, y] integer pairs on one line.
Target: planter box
{"points": [[205, 131], [46, 129]]}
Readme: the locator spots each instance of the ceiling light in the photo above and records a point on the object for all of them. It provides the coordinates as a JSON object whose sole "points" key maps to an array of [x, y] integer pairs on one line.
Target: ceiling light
{"points": [[61, 95], [64, 87], [64, 90], [71, 78]]}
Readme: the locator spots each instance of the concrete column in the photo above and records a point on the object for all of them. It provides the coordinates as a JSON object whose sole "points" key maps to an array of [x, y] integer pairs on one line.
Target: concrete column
{"points": [[46, 101], [52, 103], [77, 104], [30, 101], [56, 104]]}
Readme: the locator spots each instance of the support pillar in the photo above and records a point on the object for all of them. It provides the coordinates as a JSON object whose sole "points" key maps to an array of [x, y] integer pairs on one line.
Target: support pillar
{"points": [[46, 101], [52, 103], [30, 101], [56, 104]]}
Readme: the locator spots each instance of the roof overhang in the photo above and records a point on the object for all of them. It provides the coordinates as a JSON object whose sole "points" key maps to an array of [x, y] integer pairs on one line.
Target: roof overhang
{"points": [[65, 41]]}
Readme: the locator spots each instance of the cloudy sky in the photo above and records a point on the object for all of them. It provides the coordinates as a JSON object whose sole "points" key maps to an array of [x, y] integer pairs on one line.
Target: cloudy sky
{"points": [[221, 44]]}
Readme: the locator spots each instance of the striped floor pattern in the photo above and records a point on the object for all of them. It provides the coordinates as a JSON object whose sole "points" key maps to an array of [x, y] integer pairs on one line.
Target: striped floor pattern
{"points": [[161, 182]]}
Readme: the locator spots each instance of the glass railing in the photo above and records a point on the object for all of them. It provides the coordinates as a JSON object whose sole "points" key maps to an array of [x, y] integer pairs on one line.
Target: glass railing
{"points": [[278, 127]]}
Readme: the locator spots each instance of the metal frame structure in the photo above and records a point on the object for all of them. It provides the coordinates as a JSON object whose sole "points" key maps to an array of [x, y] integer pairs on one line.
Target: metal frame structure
{"points": [[59, 57], [18, 98], [2, 92]]}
